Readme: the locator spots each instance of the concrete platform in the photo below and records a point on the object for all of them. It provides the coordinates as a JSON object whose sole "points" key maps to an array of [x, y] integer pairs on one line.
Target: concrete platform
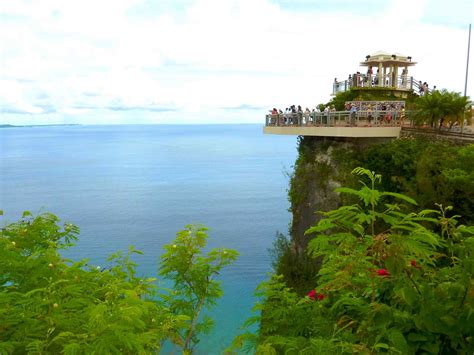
{"points": [[355, 132]]}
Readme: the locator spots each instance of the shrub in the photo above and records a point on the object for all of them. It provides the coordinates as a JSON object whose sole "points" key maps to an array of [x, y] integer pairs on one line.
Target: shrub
{"points": [[388, 283]]}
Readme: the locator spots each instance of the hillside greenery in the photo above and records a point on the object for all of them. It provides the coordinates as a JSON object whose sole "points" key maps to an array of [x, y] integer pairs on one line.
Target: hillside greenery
{"points": [[392, 281]]}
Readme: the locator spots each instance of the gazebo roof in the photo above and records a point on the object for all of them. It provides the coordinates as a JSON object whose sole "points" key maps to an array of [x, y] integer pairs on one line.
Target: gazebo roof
{"points": [[387, 59]]}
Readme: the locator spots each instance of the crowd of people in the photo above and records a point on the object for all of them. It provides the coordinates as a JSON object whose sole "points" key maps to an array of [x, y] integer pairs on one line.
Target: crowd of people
{"points": [[369, 111], [296, 115], [423, 88], [370, 79]]}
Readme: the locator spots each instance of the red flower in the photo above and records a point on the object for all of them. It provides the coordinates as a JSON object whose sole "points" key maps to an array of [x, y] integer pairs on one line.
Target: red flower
{"points": [[321, 297], [312, 294], [383, 272], [413, 263]]}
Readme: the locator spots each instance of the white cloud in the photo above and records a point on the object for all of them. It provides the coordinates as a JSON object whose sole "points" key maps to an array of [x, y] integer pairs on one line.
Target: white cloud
{"points": [[90, 57]]}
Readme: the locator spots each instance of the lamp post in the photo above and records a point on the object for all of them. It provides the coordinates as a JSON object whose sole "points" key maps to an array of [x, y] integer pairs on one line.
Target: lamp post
{"points": [[467, 71]]}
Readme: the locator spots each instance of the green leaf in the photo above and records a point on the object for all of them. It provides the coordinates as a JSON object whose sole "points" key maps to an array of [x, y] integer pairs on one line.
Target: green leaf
{"points": [[382, 346], [398, 340], [409, 295], [400, 196]]}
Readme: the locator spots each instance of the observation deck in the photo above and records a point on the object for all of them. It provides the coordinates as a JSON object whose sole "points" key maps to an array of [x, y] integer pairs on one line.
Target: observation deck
{"points": [[360, 119], [361, 124]]}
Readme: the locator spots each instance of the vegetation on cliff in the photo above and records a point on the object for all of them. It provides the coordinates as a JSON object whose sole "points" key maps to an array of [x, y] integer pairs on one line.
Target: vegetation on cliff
{"points": [[429, 171], [391, 281]]}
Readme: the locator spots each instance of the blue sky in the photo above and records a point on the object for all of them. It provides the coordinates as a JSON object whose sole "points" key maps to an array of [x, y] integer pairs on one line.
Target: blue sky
{"points": [[203, 61]]}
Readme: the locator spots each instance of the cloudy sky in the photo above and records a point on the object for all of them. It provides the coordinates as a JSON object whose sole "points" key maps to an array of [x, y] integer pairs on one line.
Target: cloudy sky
{"points": [[210, 61]]}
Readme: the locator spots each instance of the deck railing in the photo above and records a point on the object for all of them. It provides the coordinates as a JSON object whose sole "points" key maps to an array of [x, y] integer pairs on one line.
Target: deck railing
{"points": [[339, 118], [401, 82]]}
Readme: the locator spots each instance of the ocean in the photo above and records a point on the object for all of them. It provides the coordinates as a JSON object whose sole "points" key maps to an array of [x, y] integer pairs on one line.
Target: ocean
{"points": [[139, 184]]}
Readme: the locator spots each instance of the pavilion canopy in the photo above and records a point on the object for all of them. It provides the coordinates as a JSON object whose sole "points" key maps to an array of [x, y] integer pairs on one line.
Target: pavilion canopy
{"points": [[387, 60]]}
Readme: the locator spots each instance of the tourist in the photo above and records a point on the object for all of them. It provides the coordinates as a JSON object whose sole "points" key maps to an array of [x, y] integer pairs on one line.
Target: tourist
{"points": [[307, 115], [300, 115], [402, 116], [369, 114], [325, 115], [353, 115]]}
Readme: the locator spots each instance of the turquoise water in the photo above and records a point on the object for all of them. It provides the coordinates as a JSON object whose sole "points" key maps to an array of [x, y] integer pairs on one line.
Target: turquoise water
{"points": [[140, 184]]}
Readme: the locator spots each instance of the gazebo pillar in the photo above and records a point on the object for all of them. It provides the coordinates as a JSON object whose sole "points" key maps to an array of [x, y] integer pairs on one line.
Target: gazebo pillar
{"points": [[384, 76], [395, 77], [390, 76], [380, 83]]}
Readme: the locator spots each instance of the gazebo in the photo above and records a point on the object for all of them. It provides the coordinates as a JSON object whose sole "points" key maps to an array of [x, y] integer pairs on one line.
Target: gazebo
{"points": [[388, 73], [384, 70]]}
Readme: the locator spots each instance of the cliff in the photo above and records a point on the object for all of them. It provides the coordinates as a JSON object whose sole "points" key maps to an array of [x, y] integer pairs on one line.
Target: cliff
{"points": [[429, 171]]}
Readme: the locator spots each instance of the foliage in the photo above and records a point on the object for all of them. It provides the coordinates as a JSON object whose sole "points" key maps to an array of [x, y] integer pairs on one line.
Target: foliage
{"points": [[341, 98], [193, 275], [438, 108], [391, 282], [431, 172], [298, 268], [52, 305]]}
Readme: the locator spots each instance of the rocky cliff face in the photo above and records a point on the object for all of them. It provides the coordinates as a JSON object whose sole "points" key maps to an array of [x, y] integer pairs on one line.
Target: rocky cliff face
{"points": [[323, 164]]}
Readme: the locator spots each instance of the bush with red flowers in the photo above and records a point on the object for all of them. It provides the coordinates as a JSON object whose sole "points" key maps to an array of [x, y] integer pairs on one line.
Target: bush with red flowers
{"points": [[393, 282]]}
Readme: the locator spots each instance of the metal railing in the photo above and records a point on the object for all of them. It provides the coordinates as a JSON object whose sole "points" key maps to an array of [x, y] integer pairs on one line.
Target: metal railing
{"points": [[369, 118], [401, 82]]}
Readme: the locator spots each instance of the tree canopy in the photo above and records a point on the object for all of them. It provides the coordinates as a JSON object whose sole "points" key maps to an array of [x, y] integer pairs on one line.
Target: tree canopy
{"points": [[442, 108]]}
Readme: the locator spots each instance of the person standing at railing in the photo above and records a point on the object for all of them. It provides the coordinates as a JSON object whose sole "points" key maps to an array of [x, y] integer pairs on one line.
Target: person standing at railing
{"points": [[353, 115], [316, 115], [300, 116], [402, 116], [388, 117], [421, 88], [325, 115], [307, 115], [376, 79], [274, 116], [369, 76], [369, 114]]}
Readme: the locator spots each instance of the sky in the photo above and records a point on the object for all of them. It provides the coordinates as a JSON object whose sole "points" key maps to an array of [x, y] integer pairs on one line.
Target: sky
{"points": [[210, 61]]}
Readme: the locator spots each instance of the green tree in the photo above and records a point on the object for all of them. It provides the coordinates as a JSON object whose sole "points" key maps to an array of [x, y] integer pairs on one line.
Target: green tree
{"points": [[194, 285], [437, 108], [52, 305]]}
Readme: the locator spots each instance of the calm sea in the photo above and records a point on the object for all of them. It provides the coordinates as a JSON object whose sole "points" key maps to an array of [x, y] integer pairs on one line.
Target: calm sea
{"points": [[140, 184]]}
